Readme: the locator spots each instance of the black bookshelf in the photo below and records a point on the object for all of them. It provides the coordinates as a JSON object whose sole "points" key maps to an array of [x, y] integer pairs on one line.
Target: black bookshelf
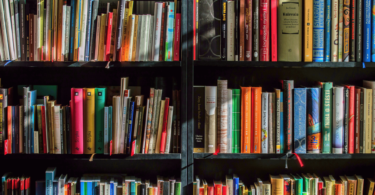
{"points": [[40, 64], [96, 157], [245, 64]]}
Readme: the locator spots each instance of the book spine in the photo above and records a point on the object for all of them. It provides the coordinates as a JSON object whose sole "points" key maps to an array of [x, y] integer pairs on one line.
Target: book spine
{"points": [[169, 34], [242, 30], [358, 30], [10, 34], [195, 29], [346, 32], [338, 119], [352, 30], [157, 31], [31, 130], [199, 117], [113, 50], [340, 42], [165, 125], [8, 141], [177, 38], [108, 38], [57, 129], [163, 32], [274, 5], [318, 31], [229, 120], [169, 132], [300, 105], [256, 30], [90, 23], [59, 13], [99, 117], [256, 118], [36, 38], [248, 29], [271, 123], [22, 21], [77, 31], [210, 119], [327, 117], [31, 37], [264, 30], [308, 15], [236, 118], [265, 138], [120, 20], [327, 31], [77, 114], [131, 122], [368, 122], [357, 119], [97, 39], [278, 110], [288, 86], [282, 140], [67, 35], [224, 29], [222, 119], [346, 120], [149, 121], [361, 123], [94, 30], [72, 29], [141, 147], [105, 131], [314, 137], [101, 48], [83, 28], [335, 30], [4, 33], [236, 29], [230, 31], [367, 31], [63, 30], [17, 28]]}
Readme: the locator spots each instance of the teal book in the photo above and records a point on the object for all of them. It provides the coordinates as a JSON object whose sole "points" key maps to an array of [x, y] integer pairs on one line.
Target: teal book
{"points": [[50, 176], [99, 120], [236, 120], [133, 187], [327, 116], [170, 33]]}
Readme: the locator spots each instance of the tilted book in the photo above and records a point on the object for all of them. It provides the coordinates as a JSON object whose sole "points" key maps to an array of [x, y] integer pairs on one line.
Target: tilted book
{"points": [[300, 120], [314, 134]]}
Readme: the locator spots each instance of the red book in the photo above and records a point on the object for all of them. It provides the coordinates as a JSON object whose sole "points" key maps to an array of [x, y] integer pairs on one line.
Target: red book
{"points": [[351, 118], [210, 190], [27, 185], [274, 4], [201, 191], [177, 38], [248, 30], [44, 130], [320, 186], [77, 120], [224, 192], [287, 189], [109, 34], [194, 29], [9, 124], [357, 119], [264, 30], [165, 124], [17, 184], [218, 188]]}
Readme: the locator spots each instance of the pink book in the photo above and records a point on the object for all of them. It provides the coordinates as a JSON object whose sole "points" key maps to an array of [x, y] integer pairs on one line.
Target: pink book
{"points": [[274, 4], [77, 120], [177, 38], [165, 124], [264, 30]]}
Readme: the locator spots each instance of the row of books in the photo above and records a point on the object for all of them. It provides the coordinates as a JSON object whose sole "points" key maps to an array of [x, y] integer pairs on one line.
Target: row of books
{"points": [[320, 119], [83, 31], [287, 184], [15, 184], [284, 30], [88, 126]]}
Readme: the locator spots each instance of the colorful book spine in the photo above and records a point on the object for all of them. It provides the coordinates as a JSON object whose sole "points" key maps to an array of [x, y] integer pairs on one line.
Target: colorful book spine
{"points": [[313, 116], [108, 38], [99, 119], [346, 119], [373, 32], [256, 122], [77, 120], [230, 31], [255, 30], [222, 115], [346, 31], [246, 112], [338, 120], [288, 86], [308, 47], [367, 31], [241, 32], [177, 38], [300, 120], [318, 31], [327, 116], [334, 30], [282, 133], [265, 128], [223, 29], [352, 34], [264, 30], [340, 42], [169, 34], [105, 131], [131, 125], [273, 34], [351, 119], [278, 109], [236, 120], [358, 31], [248, 30]]}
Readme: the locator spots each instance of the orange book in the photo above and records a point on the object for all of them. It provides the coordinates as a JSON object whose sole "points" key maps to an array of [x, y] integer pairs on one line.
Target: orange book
{"points": [[256, 120], [59, 33], [246, 119], [9, 136], [338, 189], [308, 31]]}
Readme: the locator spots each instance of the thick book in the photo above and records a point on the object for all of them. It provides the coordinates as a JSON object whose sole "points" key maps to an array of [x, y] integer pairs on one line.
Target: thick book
{"points": [[230, 44], [210, 119], [77, 120], [9, 31], [22, 22], [256, 121], [102, 38], [50, 176], [199, 119], [150, 114], [224, 19], [278, 109], [84, 20], [327, 116], [314, 132], [5, 37], [246, 118], [300, 111], [155, 121], [99, 119], [273, 33], [367, 30], [89, 120], [157, 31], [31, 37], [222, 113], [265, 128], [264, 30], [334, 30], [236, 121], [229, 120], [338, 120], [367, 121], [31, 98], [318, 31], [116, 126], [346, 33], [163, 31], [288, 86], [308, 31]]}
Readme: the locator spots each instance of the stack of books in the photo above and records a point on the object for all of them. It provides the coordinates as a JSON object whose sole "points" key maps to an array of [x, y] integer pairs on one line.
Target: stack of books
{"points": [[292, 184], [284, 30], [87, 30], [95, 121], [319, 119]]}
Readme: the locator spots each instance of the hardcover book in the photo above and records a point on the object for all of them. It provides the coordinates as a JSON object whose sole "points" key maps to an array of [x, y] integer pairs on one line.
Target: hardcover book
{"points": [[300, 121], [288, 86], [224, 29], [230, 31], [346, 38], [256, 29], [358, 30], [248, 30], [308, 30], [236, 121], [77, 120], [318, 31], [271, 122], [334, 30], [256, 122], [264, 30], [314, 139], [327, 30], [338, 120], [327, 116], [265, 138], [367, 31], [340, 42], [99, 120], [246, 118]]}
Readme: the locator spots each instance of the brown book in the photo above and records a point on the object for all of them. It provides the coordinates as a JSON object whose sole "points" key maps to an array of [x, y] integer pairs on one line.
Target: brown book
{"points": [[242, 30], [357, 119], [352, 185], [323, 191], [31, 37], [51, 129]]}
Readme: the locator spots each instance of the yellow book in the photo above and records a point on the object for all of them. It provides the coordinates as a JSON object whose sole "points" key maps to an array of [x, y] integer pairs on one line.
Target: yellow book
{"points": [[150, 191], [160, 128], [195, 188], [371, 183], [54, 30], [333, 182], [135, 37], [130, 33], [89, 120], [308, 31], [77, 30], [125, 29], [367, 121], [102, 38], [51, 128], [329, 186]]}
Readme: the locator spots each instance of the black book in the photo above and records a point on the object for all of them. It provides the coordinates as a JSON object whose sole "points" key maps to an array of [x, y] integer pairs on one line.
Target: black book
{"points": [[3, 122], [199, 118], [346, 120], [359, 31], [143, 189], [237, 30], [22, 20], [361, 125], [174, 122], [256, 30], [121, 13], [94, 19], [27, 11], [352, 33], [196, 23], [224, 30], [17, 21], [178, 122], [166, 188], [288, 86]]}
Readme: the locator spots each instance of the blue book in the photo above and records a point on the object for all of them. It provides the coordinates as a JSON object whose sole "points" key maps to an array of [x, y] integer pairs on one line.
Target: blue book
{"points": [[132, 188], [109, 126], [50, 176], [327, 31], [318, 31], [72, 29], [170, 34], [94, 185], [31, 95], [89, 185], [373, 32], [112, 187], [367, 31], [131, 119], [282, 143], [236, 187], [88, 30], [83, 186], [300, 120], [40, 187], [314, 141], [32, 126]]}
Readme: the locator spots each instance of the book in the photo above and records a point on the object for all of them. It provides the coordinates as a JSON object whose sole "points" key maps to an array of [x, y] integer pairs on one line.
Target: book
{"points": [[229, 120], [314, 137], [222, 115], [334, 30], [107, 54], [338, 120], [50, 176], [264, 30], [352, 30], [288, 86], [246, 118], [236, 121], [241, 28], [327, 116], [89, 120], [340, 40], [367, 31], [357, 119], [99, 120], [256, 30], [57, 129], [72, 36], [77, 120], [230, 44], [318, 31], [89, 26], [256, 107], [199, 119], [248, 30], [351, 118], [346, 31], [102, 39], [367, 120], [10, 35], [265, 128], [358, 30], [327, 30], [210, 119], [165, 126], [371, 85], [308, 29], [170, 33], [300, 110], [5, 31], [278, 118], [223, 37], [155, 121]]}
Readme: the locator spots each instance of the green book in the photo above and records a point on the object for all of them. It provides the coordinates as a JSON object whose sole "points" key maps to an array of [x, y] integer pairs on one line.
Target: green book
{"points": [[306, 183], [236, 120], [99, 120], [177, 188], [327, 116], [139, 131], [299, 184], [109, 126]]}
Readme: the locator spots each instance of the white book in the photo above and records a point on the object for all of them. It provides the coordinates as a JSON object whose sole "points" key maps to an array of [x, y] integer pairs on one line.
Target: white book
{"points": [[82, 46], [229, 181], [8, 25], [12, 17], [150, 39], [57, 129], [97, 38], [222, 114], [145, 127], [335, 30], [36, 53], [141, 20], [341, 19], [132, 27], [6, 55], [67, 31], [264, 139], [157, 30], [210, 129], [61, 183], [230, 30], [371, 85], [144, 46], [338, 120], [63, 32], [36, 142], [230, 121], [169, 130]]}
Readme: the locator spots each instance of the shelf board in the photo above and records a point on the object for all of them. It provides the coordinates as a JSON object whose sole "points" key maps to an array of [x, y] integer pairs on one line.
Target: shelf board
{"points": [[238, 156], [173, 156], [283, 64], [283, 156], [91, 64], [333, 156]]}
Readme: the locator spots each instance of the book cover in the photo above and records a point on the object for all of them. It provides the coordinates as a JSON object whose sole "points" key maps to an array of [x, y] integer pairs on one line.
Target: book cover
{"points": [[165, 125], [340, 41], [346, 31], [367, 30], [236, 121], [338, 120], [246, 118], [222, 113], [264, 30], [230, 44], [352, 30], [265, 138], [229, 120], [358, 31], [289, 30], [288, 86], [273, 33], [327, 116], [77, 120], [210, 119], [334, 30], [308, 30], [314, 137], [256, 109], [318, 31], [248, 30], [300, 111], [99, 119], [199, 119]]}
